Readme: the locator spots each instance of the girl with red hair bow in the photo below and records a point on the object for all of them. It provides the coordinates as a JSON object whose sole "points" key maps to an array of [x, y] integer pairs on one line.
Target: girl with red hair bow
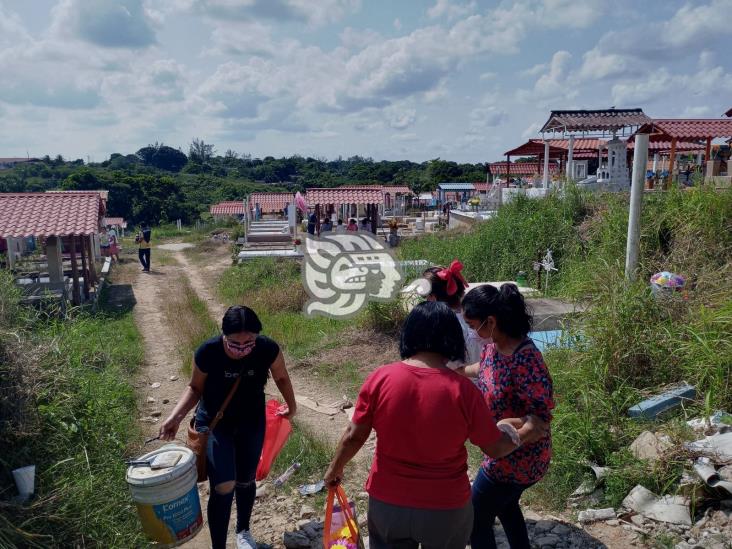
{"points": [[448, 286]]}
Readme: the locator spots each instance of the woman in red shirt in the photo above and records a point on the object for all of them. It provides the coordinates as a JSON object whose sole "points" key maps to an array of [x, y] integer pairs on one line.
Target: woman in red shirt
{"points": [[515, 383], [423, 414]]}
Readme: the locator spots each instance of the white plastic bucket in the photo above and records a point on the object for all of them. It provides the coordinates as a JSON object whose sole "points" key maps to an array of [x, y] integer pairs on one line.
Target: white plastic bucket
{"points": [[25, 480], [167, 499]]}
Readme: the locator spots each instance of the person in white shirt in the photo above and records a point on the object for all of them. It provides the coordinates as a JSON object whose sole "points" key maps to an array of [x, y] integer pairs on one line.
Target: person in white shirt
{"points": [[448, 286]]}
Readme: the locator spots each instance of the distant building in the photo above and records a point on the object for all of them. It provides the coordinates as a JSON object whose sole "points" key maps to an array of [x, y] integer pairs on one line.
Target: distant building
{"points": [[7, 163]]}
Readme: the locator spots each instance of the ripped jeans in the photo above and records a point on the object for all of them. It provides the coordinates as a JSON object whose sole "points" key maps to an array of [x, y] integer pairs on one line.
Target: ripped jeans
{"points": [[233, 455]]}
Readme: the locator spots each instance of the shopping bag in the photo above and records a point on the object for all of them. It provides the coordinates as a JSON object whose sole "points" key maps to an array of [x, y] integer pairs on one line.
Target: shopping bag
{"points": [[340, 530], [275, 437]]}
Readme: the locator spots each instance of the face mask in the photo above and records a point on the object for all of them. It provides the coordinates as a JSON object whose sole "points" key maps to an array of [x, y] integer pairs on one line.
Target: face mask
{"points": [[239, 351], [483, 340]]}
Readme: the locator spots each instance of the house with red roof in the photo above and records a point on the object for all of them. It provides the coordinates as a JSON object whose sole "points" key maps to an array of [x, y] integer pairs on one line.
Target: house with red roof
{"points": [[66, 224]]}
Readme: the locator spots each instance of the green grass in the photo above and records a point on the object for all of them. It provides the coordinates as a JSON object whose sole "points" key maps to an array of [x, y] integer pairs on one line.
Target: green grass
{"points": [[630, 345], [274, 290], [191, 318], [68, 406]]}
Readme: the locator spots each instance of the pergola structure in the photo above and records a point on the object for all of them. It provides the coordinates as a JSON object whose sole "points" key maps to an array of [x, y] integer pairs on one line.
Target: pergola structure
{"points": [[593, 123], [229, 208], [327, 200], [458, 191], [690, 130], [67, 222], [524, 169], [392, 194], [269, 203], [118, 222]]}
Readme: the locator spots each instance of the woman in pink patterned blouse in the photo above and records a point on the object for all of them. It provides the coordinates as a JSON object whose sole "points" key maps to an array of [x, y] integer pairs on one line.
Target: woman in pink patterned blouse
{"points": [[515, 382]]}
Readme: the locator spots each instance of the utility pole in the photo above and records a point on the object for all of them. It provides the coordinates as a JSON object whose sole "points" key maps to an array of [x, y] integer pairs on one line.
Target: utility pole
{"points": [[640, 161]]}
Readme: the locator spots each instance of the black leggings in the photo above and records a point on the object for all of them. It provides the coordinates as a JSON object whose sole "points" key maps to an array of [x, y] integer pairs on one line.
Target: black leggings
{"points": [[233, 455], [144, 255]]}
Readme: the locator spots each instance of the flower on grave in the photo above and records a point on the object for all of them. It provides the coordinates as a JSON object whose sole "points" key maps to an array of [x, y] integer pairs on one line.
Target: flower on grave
{"points": [[298, 242], [345, 532]]}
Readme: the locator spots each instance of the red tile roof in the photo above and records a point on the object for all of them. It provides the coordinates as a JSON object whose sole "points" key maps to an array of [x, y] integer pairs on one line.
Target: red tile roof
{"points": [[396, 189], [364, 194], [481, 187], [521, 168], [690, 129], [665, 146], [232, 207], [271, 202], [50, 214], [607, 120]]}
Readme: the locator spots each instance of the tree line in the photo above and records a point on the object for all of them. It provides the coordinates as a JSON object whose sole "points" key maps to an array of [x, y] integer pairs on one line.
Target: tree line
{"points": [[159, 183]]}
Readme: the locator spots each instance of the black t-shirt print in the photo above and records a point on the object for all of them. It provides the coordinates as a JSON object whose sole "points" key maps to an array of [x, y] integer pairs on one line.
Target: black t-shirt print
{"points": [[222, 372]]}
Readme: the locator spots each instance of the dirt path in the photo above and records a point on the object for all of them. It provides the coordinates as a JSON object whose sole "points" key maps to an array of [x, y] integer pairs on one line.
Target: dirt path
{"points": [[160, 382]]}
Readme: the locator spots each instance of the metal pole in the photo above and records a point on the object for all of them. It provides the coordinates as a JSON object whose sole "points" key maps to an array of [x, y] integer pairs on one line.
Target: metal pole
{"points": [[546, 165], [640, 160], [570, 158]]}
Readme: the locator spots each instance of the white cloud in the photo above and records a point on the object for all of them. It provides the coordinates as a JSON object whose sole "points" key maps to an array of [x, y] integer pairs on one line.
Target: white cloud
{"points": [[536, 70], [397, 24], [401, 118], [106, 23], [313, 12], [570, 13], [643, 91], [600, 66], [554, 83], [489, 75], [487, 117], [450, 9], [358, 38]]}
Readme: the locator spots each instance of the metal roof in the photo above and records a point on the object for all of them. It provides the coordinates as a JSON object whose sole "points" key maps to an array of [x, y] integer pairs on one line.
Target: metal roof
{"points": [[364, 194], [271, 202], [50, 214], [456, 187], [594, 120], [689, 129], [232, 207]]}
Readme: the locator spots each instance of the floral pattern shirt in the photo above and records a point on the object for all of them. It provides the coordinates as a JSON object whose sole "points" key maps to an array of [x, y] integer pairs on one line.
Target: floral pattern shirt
{"points": [[516, 386]]}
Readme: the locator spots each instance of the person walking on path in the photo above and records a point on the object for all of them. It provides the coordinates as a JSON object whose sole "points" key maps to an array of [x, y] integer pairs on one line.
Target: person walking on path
{"points": [[143, 241], [423, 414], [515, 382], [235, 444], [113, 244]]}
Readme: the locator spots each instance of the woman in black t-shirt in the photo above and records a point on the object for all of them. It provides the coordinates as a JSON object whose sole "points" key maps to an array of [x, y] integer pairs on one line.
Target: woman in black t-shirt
{"points": [[235, 444]]}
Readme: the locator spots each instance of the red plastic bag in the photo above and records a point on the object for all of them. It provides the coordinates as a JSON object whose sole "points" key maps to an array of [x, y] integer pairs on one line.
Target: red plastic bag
{"points": [[340, 527], [275, 437]]}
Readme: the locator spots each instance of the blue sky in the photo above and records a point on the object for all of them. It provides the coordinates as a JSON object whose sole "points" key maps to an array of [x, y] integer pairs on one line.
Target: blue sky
{"points": [[459, 80]]}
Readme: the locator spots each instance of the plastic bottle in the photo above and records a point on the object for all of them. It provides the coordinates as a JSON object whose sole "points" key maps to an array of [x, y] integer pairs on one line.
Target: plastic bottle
{"points": [[284, 477]]}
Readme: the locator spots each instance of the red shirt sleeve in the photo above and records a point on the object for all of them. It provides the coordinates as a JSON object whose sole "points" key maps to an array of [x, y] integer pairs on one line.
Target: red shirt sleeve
{"points": [[482, 430], [366, 402]]}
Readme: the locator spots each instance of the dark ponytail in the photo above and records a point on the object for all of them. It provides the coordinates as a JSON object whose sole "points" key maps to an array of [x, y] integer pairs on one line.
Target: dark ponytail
{"points": [[513, 316]]}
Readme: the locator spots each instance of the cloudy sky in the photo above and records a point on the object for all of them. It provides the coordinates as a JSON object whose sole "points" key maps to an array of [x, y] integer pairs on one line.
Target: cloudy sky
{"points": [[392, 79]]}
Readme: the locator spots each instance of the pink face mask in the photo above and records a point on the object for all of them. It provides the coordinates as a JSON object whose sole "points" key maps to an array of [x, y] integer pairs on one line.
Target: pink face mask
{"points": [[239, 351]]}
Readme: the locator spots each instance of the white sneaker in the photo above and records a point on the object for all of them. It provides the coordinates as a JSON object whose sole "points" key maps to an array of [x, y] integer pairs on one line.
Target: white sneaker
{"points": [[245, 540]]}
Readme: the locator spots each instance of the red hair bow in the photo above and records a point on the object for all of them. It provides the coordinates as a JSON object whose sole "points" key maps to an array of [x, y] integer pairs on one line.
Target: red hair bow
{"points": [[450, 275]]}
